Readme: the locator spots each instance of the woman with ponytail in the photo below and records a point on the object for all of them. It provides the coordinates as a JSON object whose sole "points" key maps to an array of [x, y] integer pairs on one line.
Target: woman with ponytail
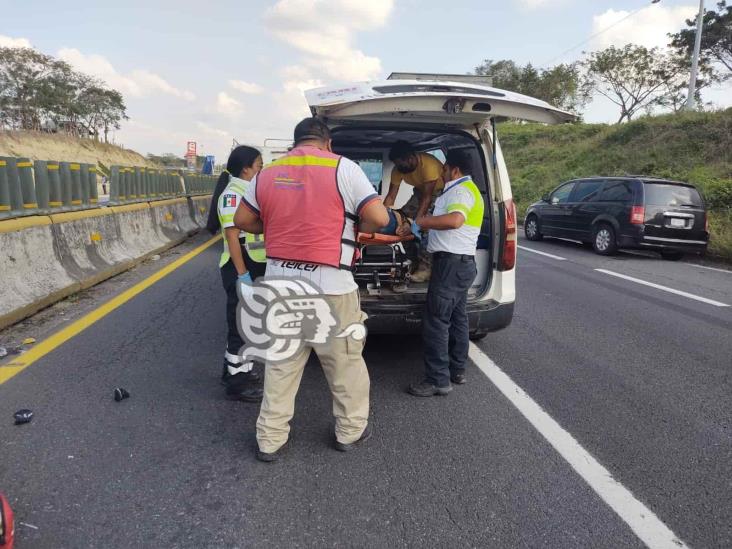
{"points": [[236, 263]]}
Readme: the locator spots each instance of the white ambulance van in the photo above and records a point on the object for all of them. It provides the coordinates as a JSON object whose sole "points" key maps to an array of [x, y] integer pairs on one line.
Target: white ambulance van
{"points": [[366, 119]]}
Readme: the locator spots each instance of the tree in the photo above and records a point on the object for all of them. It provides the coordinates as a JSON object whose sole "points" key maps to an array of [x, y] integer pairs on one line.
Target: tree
{"points": [[559, 85], [634, 77], [40, 92], [31, 84], [716, 43]]}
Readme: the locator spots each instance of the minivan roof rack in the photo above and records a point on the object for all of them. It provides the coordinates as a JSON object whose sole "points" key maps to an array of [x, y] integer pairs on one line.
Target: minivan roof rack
{"points": [[437, 77]]}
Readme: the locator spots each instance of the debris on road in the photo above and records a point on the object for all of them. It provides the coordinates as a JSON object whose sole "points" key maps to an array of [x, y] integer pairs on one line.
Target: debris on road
{"points": [[23, 416], [3, 352], [29, 341], [156, 257], [16, 350], [120, 394], [28, 525]]}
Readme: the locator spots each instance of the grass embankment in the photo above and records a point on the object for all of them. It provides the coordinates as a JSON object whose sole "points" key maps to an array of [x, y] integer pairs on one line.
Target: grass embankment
{"points": [[47, 146], [692, 147]]}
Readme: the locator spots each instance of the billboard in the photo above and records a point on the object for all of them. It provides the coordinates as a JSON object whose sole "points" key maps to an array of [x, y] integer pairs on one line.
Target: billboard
{"points": [[191, 155]]}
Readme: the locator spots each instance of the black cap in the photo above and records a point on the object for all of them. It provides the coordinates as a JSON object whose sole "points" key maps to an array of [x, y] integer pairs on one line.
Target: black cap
{"points": [[311, 128]]}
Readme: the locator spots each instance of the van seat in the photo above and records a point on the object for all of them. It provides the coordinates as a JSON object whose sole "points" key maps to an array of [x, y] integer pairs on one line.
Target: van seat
{"points": [[378, 238]]}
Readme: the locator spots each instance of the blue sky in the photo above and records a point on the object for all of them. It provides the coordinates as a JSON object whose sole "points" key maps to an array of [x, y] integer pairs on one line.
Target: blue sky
{"points": [[226, 69]]}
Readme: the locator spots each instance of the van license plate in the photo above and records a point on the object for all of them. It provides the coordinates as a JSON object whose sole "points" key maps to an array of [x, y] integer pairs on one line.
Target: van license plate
{"points": [[678, 222]]}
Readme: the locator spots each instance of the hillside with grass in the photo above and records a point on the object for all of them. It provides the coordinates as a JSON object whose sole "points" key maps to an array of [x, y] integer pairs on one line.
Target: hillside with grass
{"points": [[691, 147], [49, 146]]}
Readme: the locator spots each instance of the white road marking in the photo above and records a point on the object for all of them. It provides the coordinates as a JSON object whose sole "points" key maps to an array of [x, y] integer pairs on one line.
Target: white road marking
{"points": [[710, 268], [665, 288], [641, 520], [543, 253]]}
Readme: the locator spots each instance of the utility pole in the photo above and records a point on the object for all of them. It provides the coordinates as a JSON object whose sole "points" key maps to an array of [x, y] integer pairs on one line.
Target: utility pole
{"points": [[695, 57]]}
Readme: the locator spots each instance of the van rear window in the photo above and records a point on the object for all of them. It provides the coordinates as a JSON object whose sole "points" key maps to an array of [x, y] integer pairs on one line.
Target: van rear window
{"points": [[664, 194]]}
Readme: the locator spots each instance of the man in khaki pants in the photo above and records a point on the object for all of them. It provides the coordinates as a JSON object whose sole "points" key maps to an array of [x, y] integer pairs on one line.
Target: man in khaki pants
{"points": [[308, 203]]}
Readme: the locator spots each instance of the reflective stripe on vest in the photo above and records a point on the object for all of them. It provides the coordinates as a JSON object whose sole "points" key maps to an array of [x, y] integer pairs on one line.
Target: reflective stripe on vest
{"points": [[475, 215], [254, 244], [257, 254], [302, 209]]}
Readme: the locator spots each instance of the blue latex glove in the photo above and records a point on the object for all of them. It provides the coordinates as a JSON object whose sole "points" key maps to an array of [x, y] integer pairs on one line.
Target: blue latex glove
{"points": [[246, 278], [416, 230]]}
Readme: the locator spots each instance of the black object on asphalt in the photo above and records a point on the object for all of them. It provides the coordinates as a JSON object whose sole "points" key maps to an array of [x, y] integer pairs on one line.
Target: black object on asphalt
{"points": [[120, 394], [23, 416]]}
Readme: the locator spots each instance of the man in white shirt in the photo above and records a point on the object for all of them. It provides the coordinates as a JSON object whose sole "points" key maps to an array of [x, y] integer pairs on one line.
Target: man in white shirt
{"points": [[308, 203], [454, 230]]}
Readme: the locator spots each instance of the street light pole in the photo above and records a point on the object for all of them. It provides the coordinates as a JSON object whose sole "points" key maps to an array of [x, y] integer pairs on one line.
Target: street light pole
{"points": [[695, 57]]}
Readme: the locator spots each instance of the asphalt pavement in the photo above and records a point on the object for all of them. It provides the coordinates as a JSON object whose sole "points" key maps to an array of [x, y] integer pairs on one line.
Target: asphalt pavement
{"points": [[638, 375]]}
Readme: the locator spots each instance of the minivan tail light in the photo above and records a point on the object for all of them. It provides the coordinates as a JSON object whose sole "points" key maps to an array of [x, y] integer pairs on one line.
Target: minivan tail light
{"points": [[508, 253], [637, 215], [706, 222]]}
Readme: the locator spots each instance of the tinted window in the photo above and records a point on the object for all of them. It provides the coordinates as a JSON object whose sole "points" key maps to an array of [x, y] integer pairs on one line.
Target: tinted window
{"points": [[672, 195], [617, 191], [587, 191], [561, 195], [373, 169]]}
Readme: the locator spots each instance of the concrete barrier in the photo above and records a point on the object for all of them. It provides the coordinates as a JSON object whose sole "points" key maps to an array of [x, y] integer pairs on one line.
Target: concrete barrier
{"points": [[46, 258], [199, 207]]}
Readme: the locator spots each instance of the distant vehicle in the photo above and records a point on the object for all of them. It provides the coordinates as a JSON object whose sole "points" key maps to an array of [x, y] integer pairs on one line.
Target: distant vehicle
{"points": [[623, 212]]}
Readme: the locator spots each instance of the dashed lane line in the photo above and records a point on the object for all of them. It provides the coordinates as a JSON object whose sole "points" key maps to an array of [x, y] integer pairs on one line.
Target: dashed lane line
{"points": [[641, 520], [710, 268], [664, 288], [543, 253]]}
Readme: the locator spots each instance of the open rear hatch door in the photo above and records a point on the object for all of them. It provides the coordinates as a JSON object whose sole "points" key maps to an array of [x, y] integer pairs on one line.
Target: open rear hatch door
{"points": [[453, 104]]}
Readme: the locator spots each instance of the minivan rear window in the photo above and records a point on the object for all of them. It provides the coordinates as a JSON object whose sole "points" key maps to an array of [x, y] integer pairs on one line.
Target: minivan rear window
{"points": [[665, 194]]}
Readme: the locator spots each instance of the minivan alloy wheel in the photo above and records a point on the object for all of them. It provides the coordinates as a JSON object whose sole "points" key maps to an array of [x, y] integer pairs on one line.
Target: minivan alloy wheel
{"points": [[531, 228], [602, 239]]}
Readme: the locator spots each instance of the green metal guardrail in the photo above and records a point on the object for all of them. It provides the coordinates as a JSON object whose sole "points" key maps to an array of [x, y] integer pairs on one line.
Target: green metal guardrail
{"points": [[199, 184], [47, 186]]}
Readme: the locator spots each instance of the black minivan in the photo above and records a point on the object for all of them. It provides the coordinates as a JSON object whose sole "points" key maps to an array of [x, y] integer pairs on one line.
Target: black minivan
{"points": [[623, 212]]}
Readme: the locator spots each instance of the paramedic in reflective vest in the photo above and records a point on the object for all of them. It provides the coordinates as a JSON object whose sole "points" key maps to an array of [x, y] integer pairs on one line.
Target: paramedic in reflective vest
{"points": [[243, 257], [308, 203], [454, 229]]}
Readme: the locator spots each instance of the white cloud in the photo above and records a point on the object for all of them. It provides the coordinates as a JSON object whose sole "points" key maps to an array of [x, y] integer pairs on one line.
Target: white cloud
{"points": [[209, 130], [649, 27], [137, 83], [225, 104], [9, 42], [535, 4], [246, 87], [323, 30]]}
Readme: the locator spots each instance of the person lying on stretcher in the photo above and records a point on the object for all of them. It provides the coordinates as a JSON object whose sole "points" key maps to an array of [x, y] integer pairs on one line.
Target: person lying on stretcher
{"points": [[399, 224]]}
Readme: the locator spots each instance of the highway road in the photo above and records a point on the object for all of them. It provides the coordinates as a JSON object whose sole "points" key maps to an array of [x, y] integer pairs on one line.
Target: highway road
{"points": [[613, 366]]}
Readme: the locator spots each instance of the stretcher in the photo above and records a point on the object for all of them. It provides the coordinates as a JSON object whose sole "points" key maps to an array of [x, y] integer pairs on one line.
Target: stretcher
{"points": [[383, 259]]}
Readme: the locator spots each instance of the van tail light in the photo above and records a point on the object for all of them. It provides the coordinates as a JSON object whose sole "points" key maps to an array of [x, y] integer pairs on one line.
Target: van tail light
{"points": [[508, 253], [638, 215], [706, 222]]}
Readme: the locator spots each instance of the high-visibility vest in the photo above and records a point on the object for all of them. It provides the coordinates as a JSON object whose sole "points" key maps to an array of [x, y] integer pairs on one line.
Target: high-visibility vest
{"points": [[302, 210], [256, 253]]}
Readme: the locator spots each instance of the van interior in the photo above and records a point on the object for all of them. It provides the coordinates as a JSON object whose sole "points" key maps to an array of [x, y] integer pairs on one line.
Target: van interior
{"points": [[383, 269]]}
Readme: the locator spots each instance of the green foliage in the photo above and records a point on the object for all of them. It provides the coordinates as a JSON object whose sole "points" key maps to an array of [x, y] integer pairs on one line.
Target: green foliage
{"points": [[716, 40], [560, 85], [38, 92], [638, 79], [692, 147]]}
